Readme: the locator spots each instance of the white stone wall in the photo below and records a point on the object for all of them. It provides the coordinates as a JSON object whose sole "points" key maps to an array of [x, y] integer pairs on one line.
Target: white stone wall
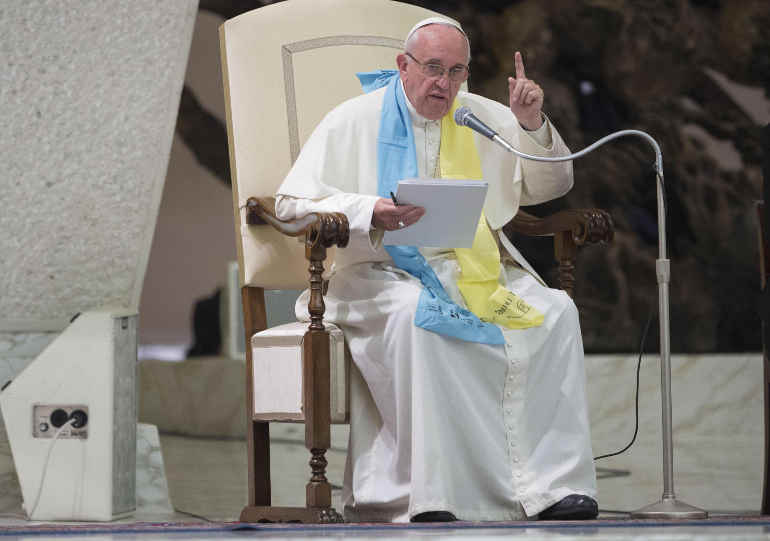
{"points": [[89, 92]]}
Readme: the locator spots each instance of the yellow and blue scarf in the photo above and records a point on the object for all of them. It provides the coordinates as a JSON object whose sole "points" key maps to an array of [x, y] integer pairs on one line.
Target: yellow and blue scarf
{"points": [[489, 302]]}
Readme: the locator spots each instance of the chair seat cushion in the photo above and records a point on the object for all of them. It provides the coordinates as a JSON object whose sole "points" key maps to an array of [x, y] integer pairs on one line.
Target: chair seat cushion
{"points": [[276, 355]]}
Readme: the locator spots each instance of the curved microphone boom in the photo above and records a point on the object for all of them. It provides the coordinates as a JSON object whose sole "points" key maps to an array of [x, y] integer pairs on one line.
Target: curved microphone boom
{"points": [[465, 117], [668, 506]]}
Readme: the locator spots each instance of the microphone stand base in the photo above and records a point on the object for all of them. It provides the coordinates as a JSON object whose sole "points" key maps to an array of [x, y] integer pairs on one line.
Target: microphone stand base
{"points": [[670, 508]]}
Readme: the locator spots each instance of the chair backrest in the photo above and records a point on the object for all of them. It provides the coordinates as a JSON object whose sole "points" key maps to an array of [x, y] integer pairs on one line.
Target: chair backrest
{"points": [[285, 66]]}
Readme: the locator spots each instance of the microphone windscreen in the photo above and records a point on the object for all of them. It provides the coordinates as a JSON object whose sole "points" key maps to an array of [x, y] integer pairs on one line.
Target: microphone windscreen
{"points": [[461, 115], [465, 117]]}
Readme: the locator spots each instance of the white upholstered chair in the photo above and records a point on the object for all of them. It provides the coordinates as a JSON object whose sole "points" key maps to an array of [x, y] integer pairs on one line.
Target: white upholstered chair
{"points": [[284, 67]]}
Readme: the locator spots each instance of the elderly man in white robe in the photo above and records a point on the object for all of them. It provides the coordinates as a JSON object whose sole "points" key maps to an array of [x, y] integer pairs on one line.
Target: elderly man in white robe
{"points": [[486, 426]]}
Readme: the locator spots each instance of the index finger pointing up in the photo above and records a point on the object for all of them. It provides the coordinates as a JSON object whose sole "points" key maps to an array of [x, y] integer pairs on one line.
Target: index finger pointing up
{"points": [[519, 66]]}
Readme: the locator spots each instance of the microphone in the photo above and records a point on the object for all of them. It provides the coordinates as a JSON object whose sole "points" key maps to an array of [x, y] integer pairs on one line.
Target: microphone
{"points": [[465, 117], [668, 505]]}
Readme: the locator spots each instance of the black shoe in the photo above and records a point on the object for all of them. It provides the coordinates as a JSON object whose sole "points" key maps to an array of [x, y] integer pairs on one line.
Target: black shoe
{"points": [[573, 507], [433, 516]]}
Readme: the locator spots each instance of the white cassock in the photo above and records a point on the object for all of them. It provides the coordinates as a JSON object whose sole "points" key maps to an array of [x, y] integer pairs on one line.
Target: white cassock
{"points": [[484, 432]]}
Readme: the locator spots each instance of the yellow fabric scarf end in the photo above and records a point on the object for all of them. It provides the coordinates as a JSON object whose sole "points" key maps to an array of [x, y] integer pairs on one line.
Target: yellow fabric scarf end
{"points": [[480, 264]]}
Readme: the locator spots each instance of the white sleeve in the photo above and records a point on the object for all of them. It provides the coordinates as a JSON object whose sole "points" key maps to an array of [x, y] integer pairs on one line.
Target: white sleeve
{"points": [[542, 135], [325, 160], [358, 209], [517, 181], [543, 181]]}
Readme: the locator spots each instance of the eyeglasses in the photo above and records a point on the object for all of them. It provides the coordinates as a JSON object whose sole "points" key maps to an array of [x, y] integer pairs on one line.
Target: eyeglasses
{"points": [[456, 74]]}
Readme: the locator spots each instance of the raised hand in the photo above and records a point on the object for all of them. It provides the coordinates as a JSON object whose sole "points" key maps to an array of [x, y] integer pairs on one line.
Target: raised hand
{"points": [[389, 217], [525, 97]]}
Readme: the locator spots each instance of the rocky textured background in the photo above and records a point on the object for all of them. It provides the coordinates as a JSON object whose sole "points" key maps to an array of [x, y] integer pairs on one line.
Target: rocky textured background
{"points": [[696, 76]]}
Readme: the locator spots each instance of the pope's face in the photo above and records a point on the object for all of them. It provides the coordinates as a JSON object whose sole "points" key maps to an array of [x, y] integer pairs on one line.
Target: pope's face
{"points": [[432, 97]]}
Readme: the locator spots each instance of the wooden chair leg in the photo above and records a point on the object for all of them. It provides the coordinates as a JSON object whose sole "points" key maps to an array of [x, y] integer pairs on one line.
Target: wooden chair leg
{"points": [[259, 464], [317, 399], [317, 417], [565, 251], [257, 433]]}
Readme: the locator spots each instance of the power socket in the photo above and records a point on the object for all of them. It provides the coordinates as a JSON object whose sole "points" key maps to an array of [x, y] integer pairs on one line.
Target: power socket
{"points": [[48, 419]]}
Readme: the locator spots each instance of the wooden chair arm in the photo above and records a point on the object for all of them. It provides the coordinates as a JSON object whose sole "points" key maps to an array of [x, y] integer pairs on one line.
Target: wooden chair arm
{"points": [[570, 229], [322, 231], [321, 228], [587, 226]]}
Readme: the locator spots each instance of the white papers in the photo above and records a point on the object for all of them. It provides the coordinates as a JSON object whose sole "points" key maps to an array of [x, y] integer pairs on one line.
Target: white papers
{"points": [[452, 211]]}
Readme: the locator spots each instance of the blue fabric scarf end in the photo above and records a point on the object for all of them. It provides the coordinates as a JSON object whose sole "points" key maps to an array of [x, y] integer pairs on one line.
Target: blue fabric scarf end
{"points": [[372, 80]]}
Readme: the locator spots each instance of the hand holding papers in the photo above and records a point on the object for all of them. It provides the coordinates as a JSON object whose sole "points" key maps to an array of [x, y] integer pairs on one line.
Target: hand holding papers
{"points": [[452, 211]]}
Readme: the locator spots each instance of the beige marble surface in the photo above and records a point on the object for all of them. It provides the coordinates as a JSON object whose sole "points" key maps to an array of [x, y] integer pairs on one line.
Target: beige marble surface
{"points": [[152, 495], [718, 435], [202, 396], [718, 429], [10, 491], [718, 432], [152, 491], [209, 477], [18, 349]]}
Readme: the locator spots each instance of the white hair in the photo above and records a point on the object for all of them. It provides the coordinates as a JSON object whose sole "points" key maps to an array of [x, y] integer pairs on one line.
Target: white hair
{"points": [[411, 37]]}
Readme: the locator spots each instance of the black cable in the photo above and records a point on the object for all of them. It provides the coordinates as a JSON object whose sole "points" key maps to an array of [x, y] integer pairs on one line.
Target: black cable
{"points": [[638, 368], [194, 515]]}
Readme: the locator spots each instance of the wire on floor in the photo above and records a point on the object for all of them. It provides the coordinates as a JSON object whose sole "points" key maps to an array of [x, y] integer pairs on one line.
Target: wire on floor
{"points": [[636, 409]]}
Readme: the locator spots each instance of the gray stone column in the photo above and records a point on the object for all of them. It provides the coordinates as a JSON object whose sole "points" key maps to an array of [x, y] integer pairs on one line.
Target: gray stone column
{"points": [[89, 92]]}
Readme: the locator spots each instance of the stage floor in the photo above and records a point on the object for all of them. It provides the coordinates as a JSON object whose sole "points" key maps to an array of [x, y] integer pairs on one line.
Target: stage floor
{"points": [[194, 486], [746, 527]]}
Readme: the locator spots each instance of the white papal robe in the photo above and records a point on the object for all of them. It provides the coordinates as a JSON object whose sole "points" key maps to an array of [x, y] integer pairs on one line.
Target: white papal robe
{"points": [[484, 432]]}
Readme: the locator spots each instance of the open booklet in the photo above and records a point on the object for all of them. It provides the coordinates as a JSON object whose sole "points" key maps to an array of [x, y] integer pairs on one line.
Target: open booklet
{"points": [[452, 211]]}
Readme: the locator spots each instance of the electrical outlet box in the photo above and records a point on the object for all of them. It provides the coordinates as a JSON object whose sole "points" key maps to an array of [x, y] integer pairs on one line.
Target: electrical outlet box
{"points": [[91, 474], [48, 419]]}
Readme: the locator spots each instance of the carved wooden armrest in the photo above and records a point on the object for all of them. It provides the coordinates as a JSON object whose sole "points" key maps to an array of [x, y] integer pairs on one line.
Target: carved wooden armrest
{"points": [[321, 228], [587, 226], [570, 229]]}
